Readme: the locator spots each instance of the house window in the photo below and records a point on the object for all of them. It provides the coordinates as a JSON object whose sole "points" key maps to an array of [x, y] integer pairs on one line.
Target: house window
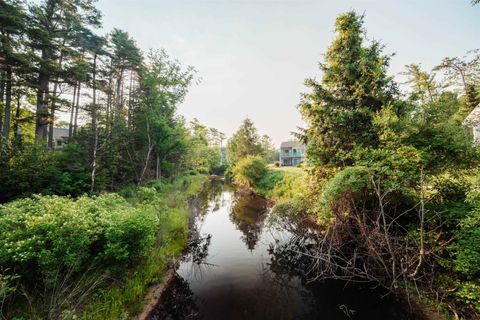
{"points": [[59, 143]]}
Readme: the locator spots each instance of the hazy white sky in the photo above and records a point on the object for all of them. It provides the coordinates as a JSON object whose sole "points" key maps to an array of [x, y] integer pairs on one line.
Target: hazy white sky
{"points": [[253, 55]]}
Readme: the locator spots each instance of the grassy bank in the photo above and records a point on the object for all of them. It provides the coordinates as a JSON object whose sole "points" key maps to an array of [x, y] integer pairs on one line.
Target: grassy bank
{"points": [[92, 257], [286, 186]]}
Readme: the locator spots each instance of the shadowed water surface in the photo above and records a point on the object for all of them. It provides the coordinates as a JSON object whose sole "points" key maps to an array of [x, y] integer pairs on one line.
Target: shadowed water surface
{"points": [[239, 267]]}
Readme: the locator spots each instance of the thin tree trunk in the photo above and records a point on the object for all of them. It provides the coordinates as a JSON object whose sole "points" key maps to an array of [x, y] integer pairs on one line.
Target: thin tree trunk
{"points": [[158, 172], [118, 102], [94, 124], [109, 98], [72, 112], [75, 121], [16, 135], [8, 103], [41, 121], [147, 159], [129, 122], [53, 108], [2, 92]]}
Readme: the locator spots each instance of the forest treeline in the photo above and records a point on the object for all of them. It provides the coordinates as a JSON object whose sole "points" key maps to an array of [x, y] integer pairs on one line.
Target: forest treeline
{"points": [[116, 103], [391, 176], [64, 240]]}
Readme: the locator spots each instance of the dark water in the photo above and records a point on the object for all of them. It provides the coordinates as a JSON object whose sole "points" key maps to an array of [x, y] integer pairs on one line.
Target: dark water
{"points": [[242, 264]]}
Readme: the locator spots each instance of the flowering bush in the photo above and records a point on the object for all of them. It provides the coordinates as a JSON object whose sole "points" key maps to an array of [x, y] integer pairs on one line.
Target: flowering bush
{"points": [[43, 236]]}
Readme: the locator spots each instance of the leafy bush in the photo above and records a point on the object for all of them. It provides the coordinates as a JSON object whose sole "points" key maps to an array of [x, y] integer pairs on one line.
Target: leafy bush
{"points": [[43, 236], [469, 292], [248, 171], [7, 287], [450, 187], [350, 180], [466, 248], [33, 169]]}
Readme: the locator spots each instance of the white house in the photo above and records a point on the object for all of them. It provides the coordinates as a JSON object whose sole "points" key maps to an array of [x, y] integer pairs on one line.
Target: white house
{"points": [[472, 123], [292, 153]]}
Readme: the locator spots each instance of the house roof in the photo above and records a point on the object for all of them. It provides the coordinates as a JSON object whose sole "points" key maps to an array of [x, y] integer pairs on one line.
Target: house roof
{"points": [[292, 144], [473, 118]]}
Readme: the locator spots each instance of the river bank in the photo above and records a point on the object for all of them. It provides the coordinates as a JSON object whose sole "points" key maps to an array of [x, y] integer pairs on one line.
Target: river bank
{"points": [[288, 190], [121, 243], [241, 264]]}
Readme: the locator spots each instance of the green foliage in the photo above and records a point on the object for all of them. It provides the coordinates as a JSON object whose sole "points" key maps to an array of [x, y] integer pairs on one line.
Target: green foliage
{"points": [[47, 235], [170, 203], [466, 248], [451, 187], [372, 150], [204, 154], [339, 110], [58, 242], [7, 286], [469, 292], [248, 171], [34, 169], [245, 142], [351, 180]]}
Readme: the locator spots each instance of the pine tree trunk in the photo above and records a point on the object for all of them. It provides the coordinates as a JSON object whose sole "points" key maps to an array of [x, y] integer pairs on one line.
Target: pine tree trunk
{"points": [[72, 112], [41, 120], [8, 103], [53, 108], [2, 92], [17, 119], [118, 99], [75, 120], [109, 99], [129, 122], [94, 124]]}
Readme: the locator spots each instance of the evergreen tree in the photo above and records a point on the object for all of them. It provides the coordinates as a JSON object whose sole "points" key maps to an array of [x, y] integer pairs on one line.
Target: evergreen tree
{"points": [[244, 142], [12, 26], [355, 85]]}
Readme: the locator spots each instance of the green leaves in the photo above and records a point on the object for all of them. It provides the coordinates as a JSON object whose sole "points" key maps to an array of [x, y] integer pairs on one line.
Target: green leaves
{"points": [[248, 171], [340, 109], [245, 142], [51, 235]]}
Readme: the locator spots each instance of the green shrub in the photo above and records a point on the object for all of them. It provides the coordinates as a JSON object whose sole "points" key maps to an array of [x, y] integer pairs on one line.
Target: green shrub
{"points": [[350, 180], [127, 238], [469, 293], [248, 171], [46, 235], [450, 187], [270, 180], [466, 248], [33, 169]]}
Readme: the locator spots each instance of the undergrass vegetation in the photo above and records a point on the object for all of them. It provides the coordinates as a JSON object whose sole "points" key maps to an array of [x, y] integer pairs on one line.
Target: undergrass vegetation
{"points": [[94, 256]]}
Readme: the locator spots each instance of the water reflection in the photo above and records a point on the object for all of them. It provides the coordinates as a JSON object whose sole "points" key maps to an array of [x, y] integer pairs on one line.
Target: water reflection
{"points": [[244, 263], [248, 214]]}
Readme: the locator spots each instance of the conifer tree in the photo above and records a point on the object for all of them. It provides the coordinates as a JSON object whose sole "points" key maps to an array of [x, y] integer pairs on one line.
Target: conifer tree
{"points": [[355, 85]]}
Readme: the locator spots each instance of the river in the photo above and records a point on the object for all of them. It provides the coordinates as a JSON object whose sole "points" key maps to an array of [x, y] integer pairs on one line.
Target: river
{"points": [[241, 264]]}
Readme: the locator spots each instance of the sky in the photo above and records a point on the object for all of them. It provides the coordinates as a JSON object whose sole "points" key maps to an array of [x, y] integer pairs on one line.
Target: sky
{"points": [[252, 56]]}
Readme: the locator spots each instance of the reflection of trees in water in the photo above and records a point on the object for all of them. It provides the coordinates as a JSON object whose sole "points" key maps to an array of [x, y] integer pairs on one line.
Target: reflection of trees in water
{"points": [[197, 254], [291, 299], [208, 200], [210, 195], [296, 258], [248, 214], [179, 303]]}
